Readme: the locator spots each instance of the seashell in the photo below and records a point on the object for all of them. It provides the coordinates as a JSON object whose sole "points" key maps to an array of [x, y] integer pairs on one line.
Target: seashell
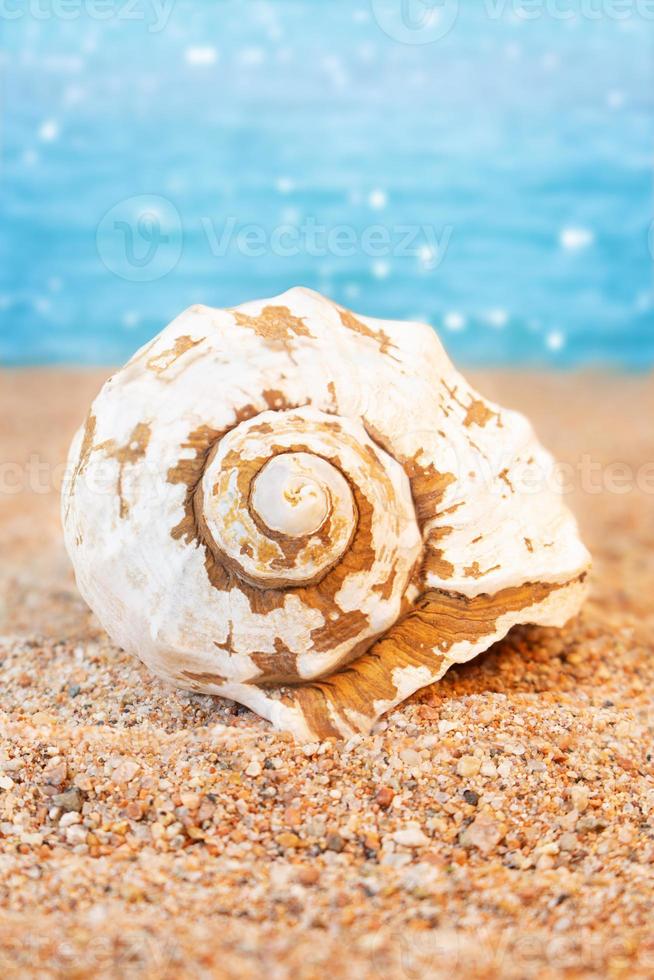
{"points": [[311, 512]]}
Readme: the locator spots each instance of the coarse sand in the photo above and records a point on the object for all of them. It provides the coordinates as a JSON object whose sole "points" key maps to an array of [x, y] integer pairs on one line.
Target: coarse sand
{"points": [[498, 824]]}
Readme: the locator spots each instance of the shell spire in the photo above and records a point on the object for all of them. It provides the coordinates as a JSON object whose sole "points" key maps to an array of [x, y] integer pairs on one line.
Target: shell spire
{"points": [[311, 512]]}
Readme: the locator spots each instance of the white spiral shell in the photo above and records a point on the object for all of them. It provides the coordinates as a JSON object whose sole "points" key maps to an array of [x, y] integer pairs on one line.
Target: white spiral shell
{"points": [[311, 512]]}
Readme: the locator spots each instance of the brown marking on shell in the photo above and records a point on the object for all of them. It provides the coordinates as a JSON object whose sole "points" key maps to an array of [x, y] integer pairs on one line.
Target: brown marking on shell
{"points": [[380, 337], [133, 450], [479, 413], [189, 473], [454, 618], [445, 406], [385, 589], [453, 393], [477, 449], [275, 399], [340, 624], [434, 562], [135, 447], [377, 436], [438, 622], [204, 677], [229, 642], [160, 363], [428, 485], [87, 442], [263, 429], [140, 355], [276, 325], [529, 545], [452, 508], [86, 449], [474, 571], [351, 693], [85, 452], [504, 475], [277, 667], [359, 556]]}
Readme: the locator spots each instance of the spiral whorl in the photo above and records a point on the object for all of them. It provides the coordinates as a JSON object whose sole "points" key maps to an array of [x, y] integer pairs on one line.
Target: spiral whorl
{"points": [[301, 507], [276, 501]]}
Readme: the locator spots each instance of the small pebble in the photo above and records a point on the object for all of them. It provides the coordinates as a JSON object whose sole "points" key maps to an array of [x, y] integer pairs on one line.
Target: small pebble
{"points": [[468, 765], [484, 833], [384, 797], [410, 837], [69, 818], [125, 771], [76, 835], [579, 796], [55, 775], [70, 801], [308, 875]]}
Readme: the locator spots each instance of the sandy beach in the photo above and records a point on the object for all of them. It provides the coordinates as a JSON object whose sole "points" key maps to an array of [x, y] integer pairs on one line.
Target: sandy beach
{"points": [[499, 824]]}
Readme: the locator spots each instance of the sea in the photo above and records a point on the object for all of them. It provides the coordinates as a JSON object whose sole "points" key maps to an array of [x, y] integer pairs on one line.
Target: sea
{"points": [[484, 166]]}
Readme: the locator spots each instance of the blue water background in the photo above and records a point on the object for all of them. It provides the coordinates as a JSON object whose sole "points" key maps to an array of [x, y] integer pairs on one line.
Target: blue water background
{"points": [[525, 145]]}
